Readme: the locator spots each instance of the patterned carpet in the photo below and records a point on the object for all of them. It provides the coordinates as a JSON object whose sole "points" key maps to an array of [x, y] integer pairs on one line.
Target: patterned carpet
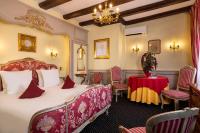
{"points": [[126, 113]]}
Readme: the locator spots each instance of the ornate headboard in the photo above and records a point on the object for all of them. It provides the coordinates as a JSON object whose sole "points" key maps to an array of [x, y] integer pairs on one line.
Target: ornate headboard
{"points": [[26, 64]]}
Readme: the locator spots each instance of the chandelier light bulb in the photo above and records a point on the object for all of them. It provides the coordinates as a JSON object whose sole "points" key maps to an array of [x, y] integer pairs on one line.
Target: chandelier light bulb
{"points": [[100, 7], [117, 9], [95, 10], [110, 5]]}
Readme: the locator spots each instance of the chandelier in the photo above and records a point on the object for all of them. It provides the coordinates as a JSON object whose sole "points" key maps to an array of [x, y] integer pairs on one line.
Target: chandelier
{"points": [[106, 15]]}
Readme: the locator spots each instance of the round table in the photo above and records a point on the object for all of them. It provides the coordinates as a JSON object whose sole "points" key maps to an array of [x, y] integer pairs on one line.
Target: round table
{"points": [[147, 89]]}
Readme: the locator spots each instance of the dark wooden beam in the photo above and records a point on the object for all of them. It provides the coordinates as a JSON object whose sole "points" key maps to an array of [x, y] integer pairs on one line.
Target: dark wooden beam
{"points": [[160, 15], [47, 4], [150, 7], [145, 8], [90, 9], [85, 23]]}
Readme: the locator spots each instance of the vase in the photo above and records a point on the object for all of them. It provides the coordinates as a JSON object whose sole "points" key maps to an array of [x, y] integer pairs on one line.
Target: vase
{"points": [[147, 74]]}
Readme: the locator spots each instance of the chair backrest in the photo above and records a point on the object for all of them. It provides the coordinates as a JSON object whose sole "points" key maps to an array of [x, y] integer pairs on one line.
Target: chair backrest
{"points": [[181, 121], [195, 102], [186, 77], [115, 74], [96, 78]]}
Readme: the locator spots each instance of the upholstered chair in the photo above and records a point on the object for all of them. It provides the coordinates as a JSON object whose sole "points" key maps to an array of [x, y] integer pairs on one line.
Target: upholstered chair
{"points": [[195, 102], [96, 78], [181, 93], [116, 81], [181, 121]]}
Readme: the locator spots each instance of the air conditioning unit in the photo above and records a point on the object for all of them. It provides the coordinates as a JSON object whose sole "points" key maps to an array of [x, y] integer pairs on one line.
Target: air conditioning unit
{"points": [[140, 30]]}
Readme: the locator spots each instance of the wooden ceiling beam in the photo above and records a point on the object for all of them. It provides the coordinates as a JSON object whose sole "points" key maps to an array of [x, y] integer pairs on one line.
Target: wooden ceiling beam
{"points": [[141, 9], [47, 4], [150, 7], [90, 9], [85, 23], [160, 15]]}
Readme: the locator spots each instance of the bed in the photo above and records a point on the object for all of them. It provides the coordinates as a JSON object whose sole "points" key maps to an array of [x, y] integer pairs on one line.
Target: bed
{"points": [[57, 111]]}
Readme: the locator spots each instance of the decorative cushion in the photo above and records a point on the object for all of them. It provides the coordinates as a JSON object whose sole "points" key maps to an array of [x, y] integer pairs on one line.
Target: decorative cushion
{"points": [[14, 81], [176, 94], [32, 91], [120, 86], [68, 83], [138, 130], [50, 77]]}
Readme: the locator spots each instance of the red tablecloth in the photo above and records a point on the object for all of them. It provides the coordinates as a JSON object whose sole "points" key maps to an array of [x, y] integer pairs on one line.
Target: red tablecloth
{"points": [[156, 84]]}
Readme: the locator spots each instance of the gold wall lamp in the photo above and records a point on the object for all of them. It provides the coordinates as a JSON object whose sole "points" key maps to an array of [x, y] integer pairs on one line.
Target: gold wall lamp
{"points": [[174, 46], [136, 49], [53, 53]]}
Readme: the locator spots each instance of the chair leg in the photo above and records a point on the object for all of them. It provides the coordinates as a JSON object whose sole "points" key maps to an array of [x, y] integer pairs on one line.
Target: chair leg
{"points": [[107, 112], [176, 104], [121, 93], [162, 100], [116, 95]]}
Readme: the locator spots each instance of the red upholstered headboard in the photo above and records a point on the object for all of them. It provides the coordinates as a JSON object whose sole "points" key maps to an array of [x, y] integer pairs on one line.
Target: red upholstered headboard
{"points": [[26, 64]]}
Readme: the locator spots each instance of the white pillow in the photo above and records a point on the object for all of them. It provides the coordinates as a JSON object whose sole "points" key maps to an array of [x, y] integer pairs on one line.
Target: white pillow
{"points": [[40, 78], [50, 77], [15, 81]]}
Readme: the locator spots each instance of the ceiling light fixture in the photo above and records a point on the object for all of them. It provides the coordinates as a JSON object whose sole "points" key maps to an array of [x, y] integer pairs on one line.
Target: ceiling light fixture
{"points": [[106, 15]]}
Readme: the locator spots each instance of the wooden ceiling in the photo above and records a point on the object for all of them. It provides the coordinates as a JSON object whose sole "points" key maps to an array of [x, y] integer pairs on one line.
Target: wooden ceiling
{"points": [[131, 11]]}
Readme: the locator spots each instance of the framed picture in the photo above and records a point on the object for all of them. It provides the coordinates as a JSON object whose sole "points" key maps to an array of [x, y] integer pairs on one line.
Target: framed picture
{"points": [[26, 43], [154, 46], [102, 48]]}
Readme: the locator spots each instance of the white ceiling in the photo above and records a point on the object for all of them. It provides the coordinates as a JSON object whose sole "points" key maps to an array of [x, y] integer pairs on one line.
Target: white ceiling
{"points": [[123, 7], [75, 5], [160, 10]]}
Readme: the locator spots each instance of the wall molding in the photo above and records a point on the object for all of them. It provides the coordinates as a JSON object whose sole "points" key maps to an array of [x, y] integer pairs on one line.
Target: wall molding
{"points": [[126, 73]]}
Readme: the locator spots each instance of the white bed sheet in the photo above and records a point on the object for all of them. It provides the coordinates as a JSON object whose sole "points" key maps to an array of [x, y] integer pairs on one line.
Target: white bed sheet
{"points": [[15, 114]]}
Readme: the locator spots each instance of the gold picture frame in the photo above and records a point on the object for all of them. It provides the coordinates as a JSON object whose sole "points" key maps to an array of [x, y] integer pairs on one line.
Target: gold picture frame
{"points": [[102, 48], [26, 43], [154, 46]]}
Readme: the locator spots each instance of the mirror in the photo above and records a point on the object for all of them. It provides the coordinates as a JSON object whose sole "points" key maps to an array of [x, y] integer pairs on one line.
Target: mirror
{"points": [[80, 59]]}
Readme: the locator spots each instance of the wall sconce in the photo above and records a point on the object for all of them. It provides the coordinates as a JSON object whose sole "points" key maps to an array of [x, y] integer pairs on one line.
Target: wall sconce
{"points": [[174, 46], [53, 53], [136, 49]]}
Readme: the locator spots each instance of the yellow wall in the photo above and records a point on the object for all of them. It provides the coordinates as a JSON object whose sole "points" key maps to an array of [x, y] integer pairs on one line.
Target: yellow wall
{"points": [[44, 41], [168, 29], [112, 32]]}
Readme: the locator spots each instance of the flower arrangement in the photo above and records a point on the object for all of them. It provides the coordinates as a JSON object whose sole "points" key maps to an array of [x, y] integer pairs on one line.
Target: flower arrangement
{"points": [[149, 63]]}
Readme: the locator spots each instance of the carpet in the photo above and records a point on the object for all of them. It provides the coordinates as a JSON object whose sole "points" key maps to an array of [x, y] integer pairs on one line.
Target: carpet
{"points": [[126, 113]]}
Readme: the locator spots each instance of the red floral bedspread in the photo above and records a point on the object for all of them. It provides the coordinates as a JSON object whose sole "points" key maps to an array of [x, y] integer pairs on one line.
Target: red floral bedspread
{"points": [[68, 117], [77, 112]]}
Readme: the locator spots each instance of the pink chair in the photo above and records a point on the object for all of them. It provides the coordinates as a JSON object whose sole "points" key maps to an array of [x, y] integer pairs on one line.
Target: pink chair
{"points": [[181, 121], [186, 77], [96, 78], [116, 81]]}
